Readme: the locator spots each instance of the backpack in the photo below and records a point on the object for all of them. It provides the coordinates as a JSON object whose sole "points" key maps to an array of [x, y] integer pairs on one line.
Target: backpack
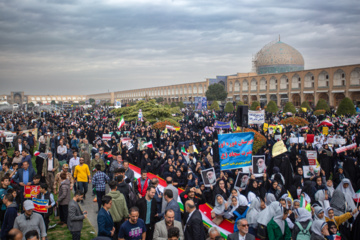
{"points": [[304, 234], [132, 197]]}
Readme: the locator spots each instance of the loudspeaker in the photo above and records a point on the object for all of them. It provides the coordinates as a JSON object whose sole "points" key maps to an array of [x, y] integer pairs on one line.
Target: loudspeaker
{"points": [[242, 116]]}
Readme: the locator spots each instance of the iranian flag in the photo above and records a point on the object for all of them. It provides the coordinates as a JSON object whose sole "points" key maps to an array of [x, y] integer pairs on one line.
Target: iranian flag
{"points": [[121, 122], [305, 201], [37, 153], [185, 154], [170, 127], [356, 196], [148, 144]]}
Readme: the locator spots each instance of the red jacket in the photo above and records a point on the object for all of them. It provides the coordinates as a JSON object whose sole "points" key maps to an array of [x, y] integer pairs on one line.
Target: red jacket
{"points": [[143, 190]]}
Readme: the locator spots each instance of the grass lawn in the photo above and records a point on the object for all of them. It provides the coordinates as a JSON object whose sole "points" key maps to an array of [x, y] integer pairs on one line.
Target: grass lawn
{"points": [[62, 233]]}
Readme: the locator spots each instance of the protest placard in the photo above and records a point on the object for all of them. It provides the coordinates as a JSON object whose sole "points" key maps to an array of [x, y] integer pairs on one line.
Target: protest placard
{"points": [[40, 205], [31, 191], [256, 117]]}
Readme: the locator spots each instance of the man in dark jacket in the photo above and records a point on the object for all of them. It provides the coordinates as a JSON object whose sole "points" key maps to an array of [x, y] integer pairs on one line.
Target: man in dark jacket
{"points": [[104, 219], [148, 216], [10, 215], [194, 229], [124, 188], [76, 216]]}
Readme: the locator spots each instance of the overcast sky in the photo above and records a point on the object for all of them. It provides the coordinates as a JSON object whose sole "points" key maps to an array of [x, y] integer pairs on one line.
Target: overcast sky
{"points": [[89, 46]]}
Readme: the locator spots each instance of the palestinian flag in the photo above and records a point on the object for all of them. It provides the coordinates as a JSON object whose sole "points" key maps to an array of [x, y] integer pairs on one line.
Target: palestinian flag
{"points": [[37, 153], [148, 144], [121, 122]]}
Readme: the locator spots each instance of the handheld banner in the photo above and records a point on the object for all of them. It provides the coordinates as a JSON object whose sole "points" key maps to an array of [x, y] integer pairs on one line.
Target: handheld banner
{"points": [[40, 205], [219, 124], [278, 148], [256, 117], [31, 191], [235, 150], [312, 157]]}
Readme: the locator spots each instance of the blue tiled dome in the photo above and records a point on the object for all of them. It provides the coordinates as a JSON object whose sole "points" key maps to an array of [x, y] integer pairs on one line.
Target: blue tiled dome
{"points": [[278, 57]]}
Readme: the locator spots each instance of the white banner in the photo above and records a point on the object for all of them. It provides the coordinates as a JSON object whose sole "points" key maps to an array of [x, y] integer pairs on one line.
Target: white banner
{"points": [[345, 148], [338, 141], [297, 140], [256, 117]]}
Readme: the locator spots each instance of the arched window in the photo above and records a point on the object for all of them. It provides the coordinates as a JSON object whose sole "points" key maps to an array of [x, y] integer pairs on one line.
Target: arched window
{"points": [[273, 83], [355, 77], [309, 80], [339, 78], [237, 86], [230, 87], [195, 89], [253, 85], [263, 84], [245, 85], [323, 80], [296, 82]]}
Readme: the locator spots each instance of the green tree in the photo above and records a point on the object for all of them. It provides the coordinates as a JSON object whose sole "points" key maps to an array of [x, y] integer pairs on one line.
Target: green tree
{"points": [[229, 107], [240, 103], [306, 105], [173, 104], [82, 103], [159, 99], [91, 101], [53, 102], [289, 107], [322, 105], [254, 105], [214, 106], [346, 106], [216, 92], [272, 107], [31, 104], [166, 105], [181, 105]]}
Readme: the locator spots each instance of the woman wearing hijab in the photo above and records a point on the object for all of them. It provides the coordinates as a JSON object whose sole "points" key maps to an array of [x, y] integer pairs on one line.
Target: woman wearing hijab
{"points": [[319, 213], [346, 187], [338, 220], [303, 222], [219, 210], [321, 197], [234, 204], [264, 218], [220, 188], [253, 213], [278, 228], [252, 190], [319, 230], [333, 231], [269, 198], [241, 210]]}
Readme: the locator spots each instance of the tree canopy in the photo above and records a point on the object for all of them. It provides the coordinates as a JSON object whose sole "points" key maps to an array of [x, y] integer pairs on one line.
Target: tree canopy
{"points": [[91, 101], [322, 105], [214, 106], [346, 106], [272, 107], [306, 105], [289, 107], [229, 107], [216, 92], [254, 105], [151, 111]]}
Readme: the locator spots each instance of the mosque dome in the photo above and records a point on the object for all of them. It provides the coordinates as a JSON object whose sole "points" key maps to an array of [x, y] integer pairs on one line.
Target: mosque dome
{"points": [[278, 57]]}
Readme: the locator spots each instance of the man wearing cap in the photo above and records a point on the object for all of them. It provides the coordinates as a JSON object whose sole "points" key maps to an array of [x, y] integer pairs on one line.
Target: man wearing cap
{"points": [[30, 221], [65, 169]]}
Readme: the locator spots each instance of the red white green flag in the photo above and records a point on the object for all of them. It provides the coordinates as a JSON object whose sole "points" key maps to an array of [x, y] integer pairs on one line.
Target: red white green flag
{"points": [[121, 122]]}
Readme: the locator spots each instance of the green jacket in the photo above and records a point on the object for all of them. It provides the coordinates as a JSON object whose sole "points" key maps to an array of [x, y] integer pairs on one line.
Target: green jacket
{"points": [[93, 164], [274, 231], [118, 208]]}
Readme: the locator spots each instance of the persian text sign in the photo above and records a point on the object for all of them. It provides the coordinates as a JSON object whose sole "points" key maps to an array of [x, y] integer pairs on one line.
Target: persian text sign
{"points": [[312, 157], [219, 124], [235, 150], [40, 205], [31, 191], [256, 117]]}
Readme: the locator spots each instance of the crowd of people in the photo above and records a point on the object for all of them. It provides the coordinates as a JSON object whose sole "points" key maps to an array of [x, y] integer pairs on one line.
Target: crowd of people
{"points": [[73, 158]]}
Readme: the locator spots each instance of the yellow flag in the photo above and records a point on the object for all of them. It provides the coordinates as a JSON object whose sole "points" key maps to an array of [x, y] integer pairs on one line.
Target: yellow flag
{"points": [[278, 148], [304, 109], [325, 131], [265, 127], [289, 195], [238, 128], [165, 131]]}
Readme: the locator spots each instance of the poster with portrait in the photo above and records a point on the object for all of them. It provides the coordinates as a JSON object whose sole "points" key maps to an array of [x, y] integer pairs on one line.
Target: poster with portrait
{"points": [[208, 177], [242, 180], [258, 165], [141, 142], [311, 171]]}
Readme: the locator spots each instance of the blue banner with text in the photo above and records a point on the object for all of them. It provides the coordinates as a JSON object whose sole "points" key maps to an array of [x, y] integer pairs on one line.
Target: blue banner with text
{"points": [[235, 150]]}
